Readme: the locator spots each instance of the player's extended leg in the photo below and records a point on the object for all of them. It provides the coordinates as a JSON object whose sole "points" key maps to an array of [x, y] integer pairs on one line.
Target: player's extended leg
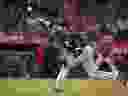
{"points": [[63, 73], [58, 86], [59, 89]]}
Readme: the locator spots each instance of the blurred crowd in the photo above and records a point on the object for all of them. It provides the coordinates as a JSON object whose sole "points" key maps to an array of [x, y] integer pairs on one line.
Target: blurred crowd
{"points": [[105, 49]]}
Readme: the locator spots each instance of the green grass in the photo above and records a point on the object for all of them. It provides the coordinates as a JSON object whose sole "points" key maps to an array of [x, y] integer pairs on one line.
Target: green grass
{"points": [[24, 87], [72, 88], [35, 87]]}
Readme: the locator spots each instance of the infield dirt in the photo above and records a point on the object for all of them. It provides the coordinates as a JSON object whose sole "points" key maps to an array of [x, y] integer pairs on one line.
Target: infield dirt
{"points": [[96, 88]]}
